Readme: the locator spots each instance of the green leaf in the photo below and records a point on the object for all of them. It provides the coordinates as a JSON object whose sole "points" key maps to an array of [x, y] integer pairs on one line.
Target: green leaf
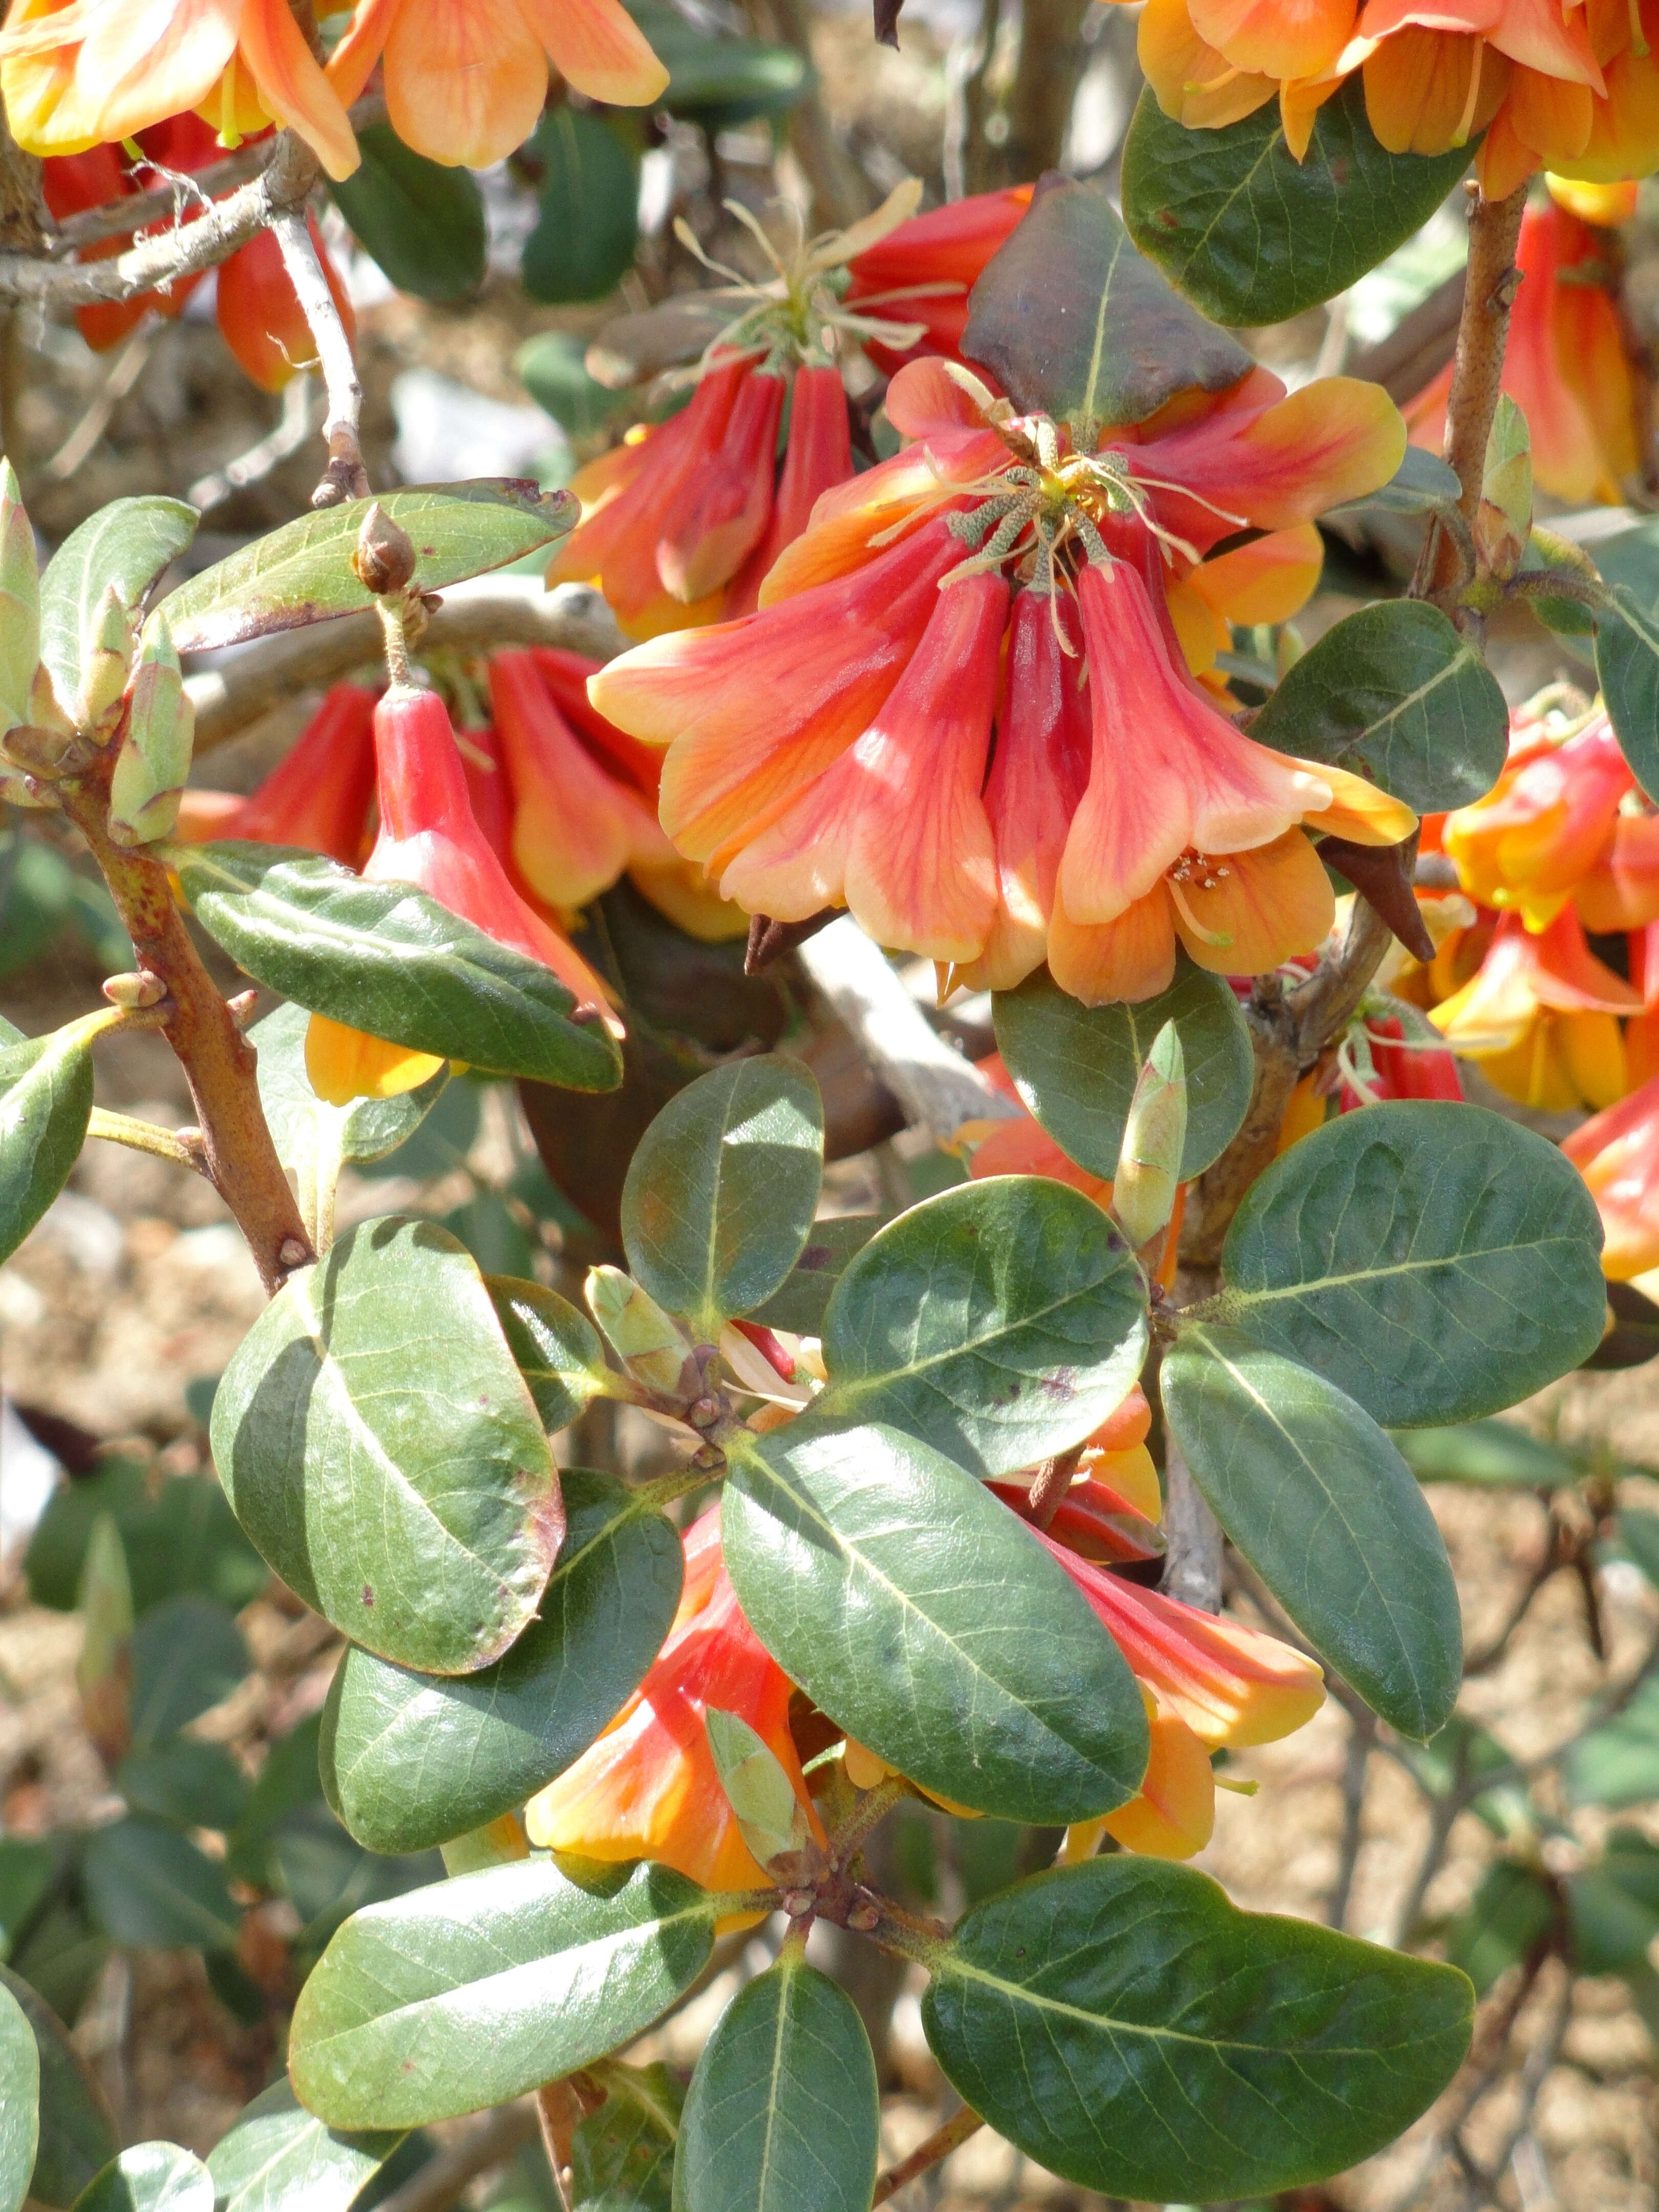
{"points": [[783, 2114], [46, 1102], [1618, 1763], [1322, 1506], [420, 223], [277, 2157], [1627, 671], [1422, 484], [76, 2127], [382, 1451], [1254, 236], [387, 958], [622, 2158], [20, 2102], [302, 573], [1513, 1909], [558, 1349], [1433, 1261], [587, 225], [187, 1656], [327, 1877], [1127, 2028], [151, 2177], [1394, 694], [1488, 1455], [999, 1321], [926, 1620], [1614, 1907], [27, 1869], [311, 1136], [1075, 1066], [413, 1760], [802, 1299], [722, 1188], [552, 366], [1074, 323], [717, 81], [183, 1539], [191, 1783], [130, 544], [479, 1988], [151, 1889]]}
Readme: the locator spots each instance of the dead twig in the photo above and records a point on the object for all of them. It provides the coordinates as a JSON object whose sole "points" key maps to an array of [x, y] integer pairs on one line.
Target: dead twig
{"points": [[345, 476]]}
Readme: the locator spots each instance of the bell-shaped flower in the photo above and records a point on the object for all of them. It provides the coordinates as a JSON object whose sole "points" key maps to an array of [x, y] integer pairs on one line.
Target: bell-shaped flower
{"points": [[95, 71], [1617, 1152], [1546, 823], [317, 796], [429, 838], [1541, 1016], [649, 1787], [466, 80], [923, 271]]}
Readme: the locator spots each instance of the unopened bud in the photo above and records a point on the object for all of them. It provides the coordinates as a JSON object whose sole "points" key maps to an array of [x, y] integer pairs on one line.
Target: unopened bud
{"points": [[131, 991], [103, 1674], [19, 602], [105, 657], [154, 756], [1502, 522], [46, 753], [770, 1815], [1154, 1137], [651, 1344], [46, 711], [383, 559]]}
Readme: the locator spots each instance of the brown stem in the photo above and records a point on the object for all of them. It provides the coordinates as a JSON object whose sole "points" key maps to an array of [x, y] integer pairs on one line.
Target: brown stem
{"points": [[238, 1157], [1052, 57], [1477, 376], [941, 2144], [558, 2110], [1049, 1486]]}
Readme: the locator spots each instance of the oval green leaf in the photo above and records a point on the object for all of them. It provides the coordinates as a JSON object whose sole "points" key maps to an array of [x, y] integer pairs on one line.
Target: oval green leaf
{"points": [[386, 958], [621, 2159], [1487, 1454], [587, 225], [312, 1137], [925, 1619], [302, 573], [1074, 323], [151, 1889], [999, 1321], [410, 1759], [128, 543], [150, 2177], [1075, 1066], [1321, 1504], [1254, 236], [421, 223], [189, 1783], [20, 2102], [382, 1451], [558, 1350], [187, 1656], [277, 2157], [1433, 1261], [76, 2127], [1627, 671], [46, 1102], [477, 1989], [722, 1188], [783, 2114], [802, 1298], [1129, 2028], [1394, 694]]}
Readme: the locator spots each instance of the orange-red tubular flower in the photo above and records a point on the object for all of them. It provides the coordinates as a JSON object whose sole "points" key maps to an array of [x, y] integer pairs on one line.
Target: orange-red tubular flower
{"points": [[429, 838], [317, 796], [1565, 366], [819, 456], [1544, 825], [923, 271], [466, 80], [259, 312], [79, 73], [1621, 889], [1541, 1016], [1617, 1153], [649, 1787]]}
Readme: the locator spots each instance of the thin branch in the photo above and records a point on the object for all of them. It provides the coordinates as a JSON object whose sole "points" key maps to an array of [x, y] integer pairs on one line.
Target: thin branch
{"points": [[345, 476], [145, 1137], [124, 372], [938, 2145], [293, 428], [442, 2179], [872, 1807], [1362, 1736], [115, 218]]}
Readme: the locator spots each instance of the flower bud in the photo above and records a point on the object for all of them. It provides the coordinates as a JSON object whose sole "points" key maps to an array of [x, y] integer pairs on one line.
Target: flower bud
{"points": [[1502, 522], [107, 656], [651, 1344], [19, 604], [154, 756], [103, 1673], [769, 1815], [1154, 1137], [383, 559]]}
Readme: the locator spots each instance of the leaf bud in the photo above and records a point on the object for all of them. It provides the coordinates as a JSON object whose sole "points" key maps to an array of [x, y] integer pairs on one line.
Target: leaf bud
{"points": [[103, 1674], [107, 655], [1502, 522], [19, 604], [135, 990], [769, 1815], [383, 559], [1154, 1137], [46, 753], [154, 755], [651, 1344]]}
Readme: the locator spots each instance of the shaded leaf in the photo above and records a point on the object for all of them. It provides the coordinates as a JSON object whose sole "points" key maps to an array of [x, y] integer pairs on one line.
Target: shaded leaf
{"points": [[558, 1349], [1618, 1763], [1422, 484], [277, 2157], [421, 222], [1613, 1907], [310, 1135], [76, 2127], [1513, 1909], [20, 2102], [553, 369], [179, 1539], [1627, 672], [129, 543], [191, 1783], [802, 1298], [46, 1102], [587, 223], [187, 1656], [622, 2158], [150, 2177], [1490, 1455], [151, 1889]]}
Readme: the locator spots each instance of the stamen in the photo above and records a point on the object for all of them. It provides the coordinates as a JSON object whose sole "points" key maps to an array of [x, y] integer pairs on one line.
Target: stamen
{"points": [[1466, 121], [1208, 873]]}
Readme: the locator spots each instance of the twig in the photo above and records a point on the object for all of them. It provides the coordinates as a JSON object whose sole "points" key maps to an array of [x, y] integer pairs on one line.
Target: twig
{"points": [[938, 2145], [145, 1137], [557, 2111], [872, 1807], [1362, 1736], [124, 372], [485, 612], [841, 191], [292, 430], [1049, 1486], [938, 1089], [441, 2179], [1533, 2074], [139, 209], [345, 476]]}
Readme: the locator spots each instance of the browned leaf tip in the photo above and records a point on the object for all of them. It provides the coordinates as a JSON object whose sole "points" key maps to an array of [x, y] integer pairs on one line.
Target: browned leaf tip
{"points": [[1382, 875], [769, 940]]}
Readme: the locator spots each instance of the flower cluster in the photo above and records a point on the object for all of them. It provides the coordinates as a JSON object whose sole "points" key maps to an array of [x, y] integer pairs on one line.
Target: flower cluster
{"points": [[1562, 87], [972, 707]]}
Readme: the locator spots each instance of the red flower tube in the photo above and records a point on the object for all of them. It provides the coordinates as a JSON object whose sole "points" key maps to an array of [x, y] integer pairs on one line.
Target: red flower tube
{"points": [[316, 797]]}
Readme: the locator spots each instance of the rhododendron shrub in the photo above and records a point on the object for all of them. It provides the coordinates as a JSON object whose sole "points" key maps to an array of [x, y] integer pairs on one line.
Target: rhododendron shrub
{"points": [[939, 618]]}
